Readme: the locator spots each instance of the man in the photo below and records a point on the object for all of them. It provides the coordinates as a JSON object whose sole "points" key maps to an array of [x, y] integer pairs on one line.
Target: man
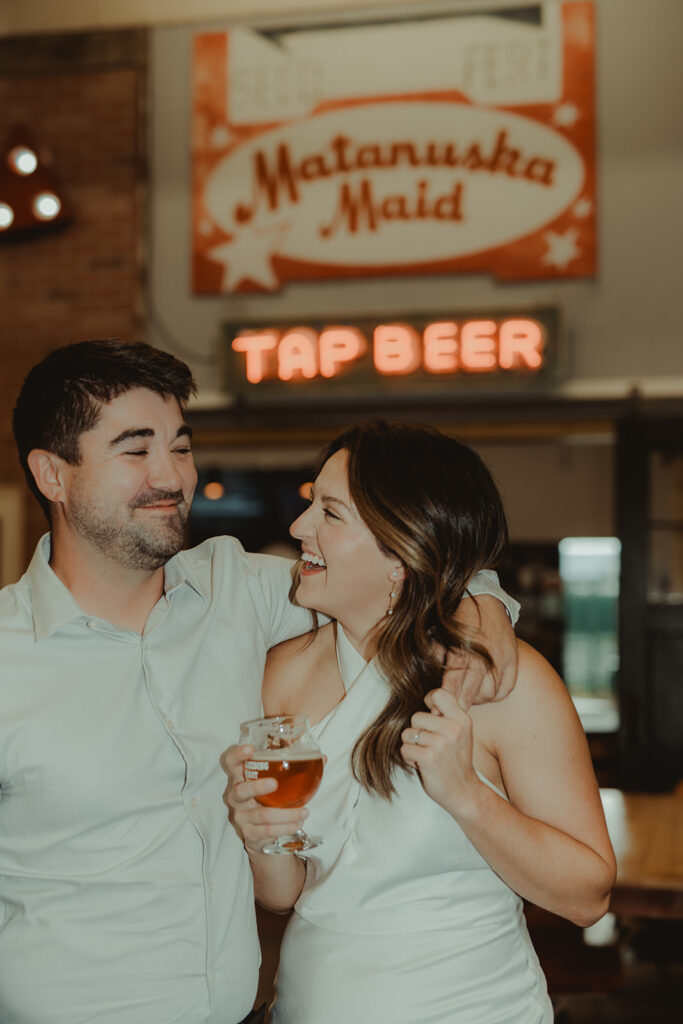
{"points": [[127, 666]]}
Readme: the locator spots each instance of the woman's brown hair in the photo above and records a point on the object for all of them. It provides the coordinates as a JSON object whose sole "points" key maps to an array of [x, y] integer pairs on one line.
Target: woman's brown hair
{"points": [[430, 501]]}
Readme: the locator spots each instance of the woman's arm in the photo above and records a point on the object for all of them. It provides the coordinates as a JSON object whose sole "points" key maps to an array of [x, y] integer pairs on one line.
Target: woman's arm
{"points": [[549, 842], [277, 880], [301, 678]]}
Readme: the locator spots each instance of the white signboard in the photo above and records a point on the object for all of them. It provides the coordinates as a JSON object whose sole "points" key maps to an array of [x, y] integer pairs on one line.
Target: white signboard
{"points": [[448, 144]]}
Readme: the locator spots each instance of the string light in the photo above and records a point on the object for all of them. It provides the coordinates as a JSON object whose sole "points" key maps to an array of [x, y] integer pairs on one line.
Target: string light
{"points": [[22, 160], [6, 216], [31, 199], [46, 206]]}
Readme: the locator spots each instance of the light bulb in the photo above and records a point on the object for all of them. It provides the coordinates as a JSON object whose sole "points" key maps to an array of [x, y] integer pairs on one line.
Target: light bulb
{"points": [[213, 490], [6, 216], [22, 160], [46, 206]]}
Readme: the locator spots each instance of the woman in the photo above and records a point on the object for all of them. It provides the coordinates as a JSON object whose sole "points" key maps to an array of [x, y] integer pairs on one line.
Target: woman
{"points": [[437, 819]]}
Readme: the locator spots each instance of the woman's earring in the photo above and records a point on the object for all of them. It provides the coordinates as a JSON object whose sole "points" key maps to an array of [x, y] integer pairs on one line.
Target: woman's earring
{"points": [[392, 595]]}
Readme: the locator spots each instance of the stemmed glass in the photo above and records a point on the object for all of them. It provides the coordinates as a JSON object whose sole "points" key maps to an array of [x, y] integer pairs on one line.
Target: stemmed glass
{"points": [[285, 749]]}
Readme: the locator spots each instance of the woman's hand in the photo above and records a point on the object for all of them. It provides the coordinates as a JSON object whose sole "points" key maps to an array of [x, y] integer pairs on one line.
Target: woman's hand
{"points": [[253, 822], [277, 880], [548, 841], [439, 744]]}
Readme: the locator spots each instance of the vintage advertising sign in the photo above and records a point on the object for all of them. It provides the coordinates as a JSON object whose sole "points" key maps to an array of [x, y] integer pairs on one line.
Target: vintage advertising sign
{"points": [[456, 144], [508, 351]]}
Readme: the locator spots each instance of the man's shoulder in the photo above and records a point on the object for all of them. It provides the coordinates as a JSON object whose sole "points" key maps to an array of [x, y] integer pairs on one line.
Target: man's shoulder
{"points": [[212, 558], [211, 549], [229, 550], [221, 561]]}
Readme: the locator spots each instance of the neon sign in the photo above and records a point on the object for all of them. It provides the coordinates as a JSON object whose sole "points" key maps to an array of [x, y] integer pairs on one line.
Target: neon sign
{"points": [[403, 351]]}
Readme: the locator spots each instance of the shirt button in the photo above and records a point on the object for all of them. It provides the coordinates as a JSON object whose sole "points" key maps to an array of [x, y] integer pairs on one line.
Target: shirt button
{"points": [[213, 975], [211, 886], [194, 801], [170, 724]]}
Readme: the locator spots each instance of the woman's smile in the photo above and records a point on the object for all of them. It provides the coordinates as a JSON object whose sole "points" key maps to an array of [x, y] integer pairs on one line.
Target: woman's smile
{"points": [[340, 555]]}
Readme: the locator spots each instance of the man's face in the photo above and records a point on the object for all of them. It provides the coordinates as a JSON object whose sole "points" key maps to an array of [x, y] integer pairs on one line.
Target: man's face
{"points": [[130, 496]]}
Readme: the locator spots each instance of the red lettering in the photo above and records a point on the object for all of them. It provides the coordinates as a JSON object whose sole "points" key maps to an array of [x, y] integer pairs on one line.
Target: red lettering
{"points": [[449, 207], [441, 347], [296, 355], [353, 210], [256, 347], [396, 349], [444, 347], [520, 344], [339, 345], [269, 183], [478, 345]]}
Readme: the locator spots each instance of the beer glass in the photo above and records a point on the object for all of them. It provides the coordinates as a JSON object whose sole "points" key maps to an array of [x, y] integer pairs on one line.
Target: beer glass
{"points": [[286, 750]]}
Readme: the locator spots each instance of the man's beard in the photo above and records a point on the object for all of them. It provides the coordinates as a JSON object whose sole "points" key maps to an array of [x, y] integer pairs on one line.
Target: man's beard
{"points": [[132, 544]]}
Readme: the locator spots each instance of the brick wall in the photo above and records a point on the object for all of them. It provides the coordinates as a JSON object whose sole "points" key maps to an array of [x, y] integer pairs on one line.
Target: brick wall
{"points": [[81, 96]]}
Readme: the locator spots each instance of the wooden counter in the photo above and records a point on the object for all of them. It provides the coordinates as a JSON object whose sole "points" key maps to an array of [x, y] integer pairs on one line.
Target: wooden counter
{"points": [[647, 834]]}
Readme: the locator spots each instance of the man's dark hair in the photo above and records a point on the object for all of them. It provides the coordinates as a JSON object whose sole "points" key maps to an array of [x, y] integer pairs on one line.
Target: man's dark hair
{"points": [[63, 395]]}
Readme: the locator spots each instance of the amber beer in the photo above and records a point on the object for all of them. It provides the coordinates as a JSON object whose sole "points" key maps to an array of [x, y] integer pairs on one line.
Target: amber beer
{"points": [[284, 749], [297, 776]]}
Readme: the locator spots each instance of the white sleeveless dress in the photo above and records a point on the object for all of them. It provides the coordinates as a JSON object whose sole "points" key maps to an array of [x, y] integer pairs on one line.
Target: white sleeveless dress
{"points": [[401, 921]]}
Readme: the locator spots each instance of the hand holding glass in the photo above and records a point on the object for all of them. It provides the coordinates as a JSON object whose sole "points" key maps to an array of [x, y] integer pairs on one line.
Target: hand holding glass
{"points": [[286, 750]]}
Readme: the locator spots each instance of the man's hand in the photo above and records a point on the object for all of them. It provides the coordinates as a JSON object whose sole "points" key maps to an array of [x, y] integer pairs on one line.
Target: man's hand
{"points": [[466, 675]]}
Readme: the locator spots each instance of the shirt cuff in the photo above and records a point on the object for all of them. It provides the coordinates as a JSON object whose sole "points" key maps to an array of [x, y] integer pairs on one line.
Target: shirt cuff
{"points": [[486, 582]]}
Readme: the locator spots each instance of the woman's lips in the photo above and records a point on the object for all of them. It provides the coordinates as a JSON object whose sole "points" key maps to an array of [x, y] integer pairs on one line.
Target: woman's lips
{"points": [[310, 569]]}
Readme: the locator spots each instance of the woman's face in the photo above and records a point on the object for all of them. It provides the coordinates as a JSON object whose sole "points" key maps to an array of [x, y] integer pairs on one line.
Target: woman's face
{"points": [[343, 573]]}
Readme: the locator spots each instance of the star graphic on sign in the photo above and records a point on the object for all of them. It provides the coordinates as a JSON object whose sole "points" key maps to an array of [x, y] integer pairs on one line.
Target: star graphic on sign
{"points": [[221, 136], [565, 115], [583, 207], [562, 249], [249, 256]]}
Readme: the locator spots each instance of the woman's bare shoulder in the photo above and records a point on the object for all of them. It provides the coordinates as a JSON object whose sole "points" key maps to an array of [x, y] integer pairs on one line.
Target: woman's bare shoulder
{"points": [[285, 653], [538, 684], [299, 673], [539, 698]]}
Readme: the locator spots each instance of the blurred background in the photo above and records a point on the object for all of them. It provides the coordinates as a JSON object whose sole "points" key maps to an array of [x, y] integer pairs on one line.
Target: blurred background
{"points": [[265, 188]]}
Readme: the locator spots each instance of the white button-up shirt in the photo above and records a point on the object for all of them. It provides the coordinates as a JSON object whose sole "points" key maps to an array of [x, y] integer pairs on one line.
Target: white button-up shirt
{"points": [[125, 895]]}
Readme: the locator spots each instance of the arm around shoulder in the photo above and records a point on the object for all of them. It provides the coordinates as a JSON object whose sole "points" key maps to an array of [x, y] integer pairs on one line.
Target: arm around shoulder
{"points": [[489, 613], [270, 580]]}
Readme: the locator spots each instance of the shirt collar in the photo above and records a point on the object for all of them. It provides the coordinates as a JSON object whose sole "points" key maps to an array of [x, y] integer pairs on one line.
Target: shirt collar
{"points": [[180, 569], [53, 604]]}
